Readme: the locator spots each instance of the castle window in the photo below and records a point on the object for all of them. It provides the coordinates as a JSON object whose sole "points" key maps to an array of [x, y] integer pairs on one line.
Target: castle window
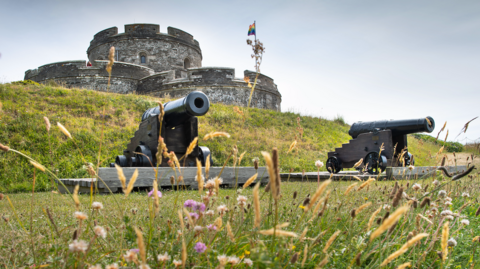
{"points": [[143, 59], [186, 63]]}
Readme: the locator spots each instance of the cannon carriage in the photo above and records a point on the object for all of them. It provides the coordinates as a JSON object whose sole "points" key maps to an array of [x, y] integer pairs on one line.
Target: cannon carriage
{"points": [[368, 137], [179, 127]]}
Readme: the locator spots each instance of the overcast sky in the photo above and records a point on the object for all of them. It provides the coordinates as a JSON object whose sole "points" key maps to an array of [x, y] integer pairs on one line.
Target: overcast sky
{"points": [[362, 60]]}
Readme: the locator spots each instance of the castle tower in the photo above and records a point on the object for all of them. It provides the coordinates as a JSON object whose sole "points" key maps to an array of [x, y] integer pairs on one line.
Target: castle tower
{"points": [[143, 44]]}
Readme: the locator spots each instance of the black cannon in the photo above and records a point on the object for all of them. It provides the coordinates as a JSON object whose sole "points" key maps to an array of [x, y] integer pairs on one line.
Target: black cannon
{"points": [[368, 137], [178, 129]]}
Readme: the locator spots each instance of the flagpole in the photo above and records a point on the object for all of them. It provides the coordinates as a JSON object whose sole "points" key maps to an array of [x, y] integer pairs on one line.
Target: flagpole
{"points": [[255, 23]]}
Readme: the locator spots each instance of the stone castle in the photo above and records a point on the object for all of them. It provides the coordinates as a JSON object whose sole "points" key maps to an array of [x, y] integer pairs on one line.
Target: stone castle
{"points": [[158, 64]]}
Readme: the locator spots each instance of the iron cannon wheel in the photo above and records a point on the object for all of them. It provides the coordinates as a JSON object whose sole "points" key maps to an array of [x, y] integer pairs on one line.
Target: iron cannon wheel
{"points": [[143, 157], [374, 164], [409, 160], [334, 165]]}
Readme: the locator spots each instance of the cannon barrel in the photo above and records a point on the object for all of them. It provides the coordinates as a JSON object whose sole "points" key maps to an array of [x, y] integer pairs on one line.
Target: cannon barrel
{"points": [[176, 112], [398, 127]]}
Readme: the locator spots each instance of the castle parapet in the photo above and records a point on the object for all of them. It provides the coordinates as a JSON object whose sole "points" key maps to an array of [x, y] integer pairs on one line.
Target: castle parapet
{"points": [[262, 80], [142, 29], [180, 34], [211, 75]]}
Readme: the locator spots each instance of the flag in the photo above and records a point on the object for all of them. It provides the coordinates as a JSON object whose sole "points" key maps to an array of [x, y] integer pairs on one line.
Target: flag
{"points": [[251, 30]]}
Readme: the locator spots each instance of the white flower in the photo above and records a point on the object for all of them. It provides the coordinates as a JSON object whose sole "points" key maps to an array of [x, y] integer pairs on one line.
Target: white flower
{"points": [[445, 213], [416, 186], [448, 199], [386, 207], [78, 246], [449, 217], [465, 194], [241, 200], [318, 164], [144, 266], [434, 209], [98, 266], [130, 256], [112, 266], [248, 262], [222, 209], [97, 205], [223, 259], [233, 260], [210, 212], [452, 242], [80, 215], [411, 167], [465, 222], [100, 231], [442, 193], [177, 263], [210, 184], [203, 178], [163, 258], [405, 195], [447, 203], [198, 229], [436, 182]]}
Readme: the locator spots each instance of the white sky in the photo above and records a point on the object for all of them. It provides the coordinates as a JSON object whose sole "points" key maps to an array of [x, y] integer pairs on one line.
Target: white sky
{"points": [[363, 60]]}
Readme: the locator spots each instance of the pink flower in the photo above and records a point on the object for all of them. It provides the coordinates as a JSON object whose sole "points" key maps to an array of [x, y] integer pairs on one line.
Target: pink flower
{"points": [[150, 194], [200, 247]]}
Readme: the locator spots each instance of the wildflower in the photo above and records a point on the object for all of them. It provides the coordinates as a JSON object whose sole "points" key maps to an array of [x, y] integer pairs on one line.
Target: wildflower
{"points": [[241, 200], [200, 247], [449, 217], [130, 256], [411, 167], [194, 216], [386, 207], [210, 184], [465, 194], [416, 186], [80, 216], [452, 242], [223, 259], [151, 194], [442, 193], [211, 227], [448, 199], [222, 209], [248, 262], [78, 246], [436, 182], [100, 231], [189, 203], [177, 263], [465, 222], [198, 229], [405, 195], [97, 205], [319, 164], [98, 266], [446, 213], [112, 266], [210, 212], [447, 203], [196, 178], [233, 260], [144, 266], [163, 257], [200, 207]]}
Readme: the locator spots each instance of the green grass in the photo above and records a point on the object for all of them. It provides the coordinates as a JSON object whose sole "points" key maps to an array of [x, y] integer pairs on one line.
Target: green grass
{"points": [[80, 111]]}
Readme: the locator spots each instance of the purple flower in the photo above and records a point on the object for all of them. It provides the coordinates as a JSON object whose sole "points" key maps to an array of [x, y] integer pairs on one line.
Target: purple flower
{"points": [[211, 227], [136, 250], [200, 247], [199, 207], [150, 194], [194, 215], [189, 203]]}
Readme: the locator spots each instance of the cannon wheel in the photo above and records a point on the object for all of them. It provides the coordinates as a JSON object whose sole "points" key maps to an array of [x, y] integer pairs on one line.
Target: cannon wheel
{"points": [[409, 160], [334, 165], [144, 158], [374, 164]]}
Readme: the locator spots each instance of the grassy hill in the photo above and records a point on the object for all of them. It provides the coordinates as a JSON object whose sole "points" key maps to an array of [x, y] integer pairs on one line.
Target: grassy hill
{"points": [[80, 111]]}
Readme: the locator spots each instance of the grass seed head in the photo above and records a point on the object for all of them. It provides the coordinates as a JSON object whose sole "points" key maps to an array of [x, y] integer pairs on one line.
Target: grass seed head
{"points": [[131, 183], [216, 134], [4, 148], [389, 222], [444, 241], [38, 166], [47, 123], [64, 130]]}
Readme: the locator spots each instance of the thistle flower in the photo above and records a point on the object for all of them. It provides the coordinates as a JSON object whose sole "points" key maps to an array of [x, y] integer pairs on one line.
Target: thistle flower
{"points": [[436, 182], [211, 227], [319, 164], [200, 247], [446, 213], [80, 216], [452, 242], [222, 209], [411, 167], [97, 205], [416, 186], [151, 193], [465, 194], [233, 260], [241, 200], [163, 257], [64, 130], [100, 232], [177, 263], [465, 222], [442, 194], [78, 246]]}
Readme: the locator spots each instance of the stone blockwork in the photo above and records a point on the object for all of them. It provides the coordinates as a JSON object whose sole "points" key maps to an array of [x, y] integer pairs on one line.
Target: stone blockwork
{"points": [[158, 64]]}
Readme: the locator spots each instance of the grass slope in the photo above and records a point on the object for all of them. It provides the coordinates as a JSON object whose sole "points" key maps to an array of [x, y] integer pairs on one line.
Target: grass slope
{"points": [[80, 111]]}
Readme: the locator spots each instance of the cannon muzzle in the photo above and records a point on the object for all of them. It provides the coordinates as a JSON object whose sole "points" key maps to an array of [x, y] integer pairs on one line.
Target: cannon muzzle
{"points": [[398, 127], [178, 111]]}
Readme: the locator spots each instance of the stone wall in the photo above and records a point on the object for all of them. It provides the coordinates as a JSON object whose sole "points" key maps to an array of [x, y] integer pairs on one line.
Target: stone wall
{"points": [[163, 52]]}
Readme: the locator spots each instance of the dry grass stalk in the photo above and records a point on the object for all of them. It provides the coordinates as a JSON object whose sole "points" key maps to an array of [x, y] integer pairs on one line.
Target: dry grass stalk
{"points": [[389, 222], [365, 184], [278, 232], [350, 188], [75, 197], [156, 200], [256, 205], [38, 166], [330, 241], [397, 198], [4, 148], [276, 168], [362, 207], [323, 263], [218, 222], [141, 246], [271, 172], [192, 146], [319, 204], [199, 176], [425, 218], [303, 234], [282, 225], [317, 194], [292, 146], [444, 243], [64, 130], [250, 181], [357, 178], [216, 134], [189, 218], [404, 248], [241, 158], [229, 232], [305, 253], [121, 177], [131, 183], [404, 265], [184, 253], [372, 218], [357, 164], [207, 166]]}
